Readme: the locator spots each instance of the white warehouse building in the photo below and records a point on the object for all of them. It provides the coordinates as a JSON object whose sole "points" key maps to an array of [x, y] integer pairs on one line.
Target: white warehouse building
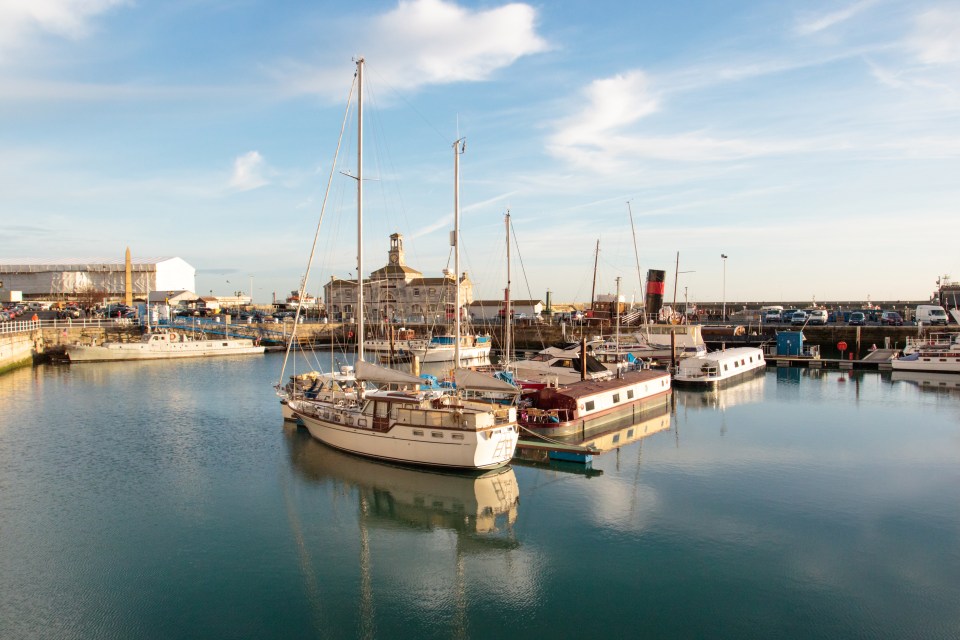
{"points": [[39, 279]]}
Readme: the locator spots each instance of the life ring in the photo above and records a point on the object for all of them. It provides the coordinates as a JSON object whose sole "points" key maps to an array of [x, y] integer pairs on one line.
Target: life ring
{"points": [[174, 337]]}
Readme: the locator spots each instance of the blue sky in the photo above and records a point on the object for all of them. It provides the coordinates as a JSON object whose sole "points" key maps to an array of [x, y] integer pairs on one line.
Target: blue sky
{"points": [[815, 143]]}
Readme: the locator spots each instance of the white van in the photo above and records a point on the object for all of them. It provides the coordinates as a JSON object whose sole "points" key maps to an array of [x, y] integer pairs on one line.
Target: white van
{"points": [[817, 316], [931, 314]]}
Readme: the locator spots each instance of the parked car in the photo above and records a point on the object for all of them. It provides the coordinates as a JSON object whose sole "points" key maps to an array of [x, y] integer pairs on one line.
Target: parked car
{"points": [[798, 318], [891, 318], [857, 319], [817, 316], [771, 317], [787, 315]]}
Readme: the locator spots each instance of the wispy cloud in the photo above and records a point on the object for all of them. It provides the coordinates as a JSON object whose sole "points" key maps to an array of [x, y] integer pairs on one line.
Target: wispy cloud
{"points": [[815, 24], [428, 42], [21, 21], [248, 172], [935, 38]]}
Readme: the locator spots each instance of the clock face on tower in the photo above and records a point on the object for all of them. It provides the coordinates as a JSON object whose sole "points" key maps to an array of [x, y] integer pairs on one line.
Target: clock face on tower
{"points": [[393, 258]]}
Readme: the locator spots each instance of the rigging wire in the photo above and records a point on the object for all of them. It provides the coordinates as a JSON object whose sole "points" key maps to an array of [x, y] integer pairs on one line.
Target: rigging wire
{"points": [[316, 236]]}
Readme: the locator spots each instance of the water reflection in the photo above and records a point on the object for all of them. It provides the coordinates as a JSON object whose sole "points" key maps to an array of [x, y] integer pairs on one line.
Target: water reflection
{"points": [[395, 496], [929, 381], [749, 391]]}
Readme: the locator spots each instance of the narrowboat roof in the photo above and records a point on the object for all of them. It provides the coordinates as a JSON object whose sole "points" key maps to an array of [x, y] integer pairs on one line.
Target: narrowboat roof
{"points": [[584, 388]]}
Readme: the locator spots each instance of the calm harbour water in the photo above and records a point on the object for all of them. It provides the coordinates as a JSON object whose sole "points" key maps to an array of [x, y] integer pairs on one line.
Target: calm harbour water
{"points": [[166, 500]]}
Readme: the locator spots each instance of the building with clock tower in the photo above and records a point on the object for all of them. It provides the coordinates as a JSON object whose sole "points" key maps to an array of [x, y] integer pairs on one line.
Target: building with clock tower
{"points": [[398, 293]]}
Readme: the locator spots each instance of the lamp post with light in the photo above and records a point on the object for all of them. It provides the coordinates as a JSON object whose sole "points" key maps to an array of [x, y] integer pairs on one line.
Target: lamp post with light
{"points": [[724, 257]]}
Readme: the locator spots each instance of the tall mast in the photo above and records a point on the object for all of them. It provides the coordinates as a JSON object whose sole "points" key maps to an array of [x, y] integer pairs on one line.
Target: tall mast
{"points": [[507, 315], [593, 289], [360, 323], [636, 255], [458, 148]]}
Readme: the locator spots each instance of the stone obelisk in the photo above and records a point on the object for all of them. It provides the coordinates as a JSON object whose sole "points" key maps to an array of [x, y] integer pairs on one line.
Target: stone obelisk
{"points": [[128, 279]]}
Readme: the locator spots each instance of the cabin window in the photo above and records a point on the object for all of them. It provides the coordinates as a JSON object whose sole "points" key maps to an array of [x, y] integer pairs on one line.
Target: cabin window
{"points": [[588, 406], [418, 433], [436, 434], [616, 438], [225, 343], [616, 397], [629, 433], [743, 362], [457, 436], [629, 394], [735, 364], [725, 366]]}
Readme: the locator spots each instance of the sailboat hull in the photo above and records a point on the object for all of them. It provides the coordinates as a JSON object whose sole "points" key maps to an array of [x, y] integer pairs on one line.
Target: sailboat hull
{"points": [[434, 445]]}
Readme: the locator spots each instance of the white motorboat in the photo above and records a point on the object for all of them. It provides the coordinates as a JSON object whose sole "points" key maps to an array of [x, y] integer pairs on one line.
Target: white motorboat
{"points": [[561, 364], [940, 353], [158, 345], [718, 368], [658, 342]]}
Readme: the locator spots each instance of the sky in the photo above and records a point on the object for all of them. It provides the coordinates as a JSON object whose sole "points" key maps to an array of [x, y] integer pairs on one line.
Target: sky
{"points": [[814, 143]]}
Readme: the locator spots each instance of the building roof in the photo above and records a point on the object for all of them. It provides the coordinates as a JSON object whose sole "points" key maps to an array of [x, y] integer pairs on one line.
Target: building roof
{"points": [[40, 265], [500, 303]]}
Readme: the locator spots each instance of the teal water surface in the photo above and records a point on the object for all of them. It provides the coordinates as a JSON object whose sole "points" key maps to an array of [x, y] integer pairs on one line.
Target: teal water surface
{"points": [[167, 500]]}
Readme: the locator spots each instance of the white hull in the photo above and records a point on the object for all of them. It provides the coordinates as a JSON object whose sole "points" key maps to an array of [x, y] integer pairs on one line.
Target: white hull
{"points": [[117, 351], [408, 444], [940, 363]]}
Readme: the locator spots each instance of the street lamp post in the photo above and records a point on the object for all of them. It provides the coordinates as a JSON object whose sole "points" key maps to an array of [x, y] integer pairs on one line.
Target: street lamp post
{"points": [[724, 257]]}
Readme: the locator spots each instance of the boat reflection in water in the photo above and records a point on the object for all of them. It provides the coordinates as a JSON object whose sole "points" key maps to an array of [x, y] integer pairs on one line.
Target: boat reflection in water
{"points": [[483, 503], [747, 391], [929, 380], [598, 442]]}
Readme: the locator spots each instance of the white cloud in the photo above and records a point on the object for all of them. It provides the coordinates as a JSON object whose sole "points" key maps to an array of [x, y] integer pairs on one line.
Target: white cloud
{"points": [[819, 23], [22, 20], [612, 103], [248, 172], [424, 42], [599, 137], [935, 38]]}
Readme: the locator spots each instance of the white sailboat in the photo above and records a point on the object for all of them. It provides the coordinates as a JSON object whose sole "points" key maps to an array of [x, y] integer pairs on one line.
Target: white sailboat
{"points": [[400, 422]]}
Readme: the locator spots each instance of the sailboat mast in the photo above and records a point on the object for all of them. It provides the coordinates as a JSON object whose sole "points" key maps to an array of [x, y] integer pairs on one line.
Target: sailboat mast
{"points": [[507, 311], [593, 288], [636, 255], [458, 147], [360, 323]]}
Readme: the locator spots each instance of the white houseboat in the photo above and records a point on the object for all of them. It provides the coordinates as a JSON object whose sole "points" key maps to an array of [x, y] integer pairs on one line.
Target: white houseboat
{"points": [[719, 368]]}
